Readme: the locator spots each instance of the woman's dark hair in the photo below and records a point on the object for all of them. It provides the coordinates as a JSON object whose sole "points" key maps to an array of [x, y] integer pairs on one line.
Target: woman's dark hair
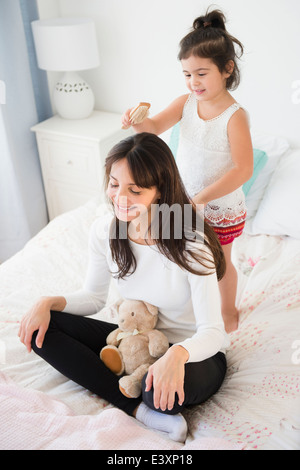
{"points": [[151, 164], [209, 39]]}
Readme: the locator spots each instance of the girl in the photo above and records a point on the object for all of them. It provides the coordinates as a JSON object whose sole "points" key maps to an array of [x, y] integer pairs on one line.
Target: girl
{"points": [[215, 155], [177, 274]]}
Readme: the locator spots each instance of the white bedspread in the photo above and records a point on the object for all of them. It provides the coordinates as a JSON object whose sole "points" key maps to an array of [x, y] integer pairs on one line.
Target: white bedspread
{"points": [[258, 406]]}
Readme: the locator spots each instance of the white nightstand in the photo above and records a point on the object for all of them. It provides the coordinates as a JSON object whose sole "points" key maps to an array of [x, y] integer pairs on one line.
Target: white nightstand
{"points": [[72, 155]]}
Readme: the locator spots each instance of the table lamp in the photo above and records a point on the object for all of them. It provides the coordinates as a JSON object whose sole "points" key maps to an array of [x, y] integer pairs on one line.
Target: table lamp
{"points": [[68, 45]]}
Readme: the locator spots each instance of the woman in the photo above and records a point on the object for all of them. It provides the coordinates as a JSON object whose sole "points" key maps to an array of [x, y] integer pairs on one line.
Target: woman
{"points": [[140, 247]]}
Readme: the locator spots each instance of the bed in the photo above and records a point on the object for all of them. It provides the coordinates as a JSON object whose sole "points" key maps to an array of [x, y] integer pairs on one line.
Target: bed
{"points": [[258, 405]]}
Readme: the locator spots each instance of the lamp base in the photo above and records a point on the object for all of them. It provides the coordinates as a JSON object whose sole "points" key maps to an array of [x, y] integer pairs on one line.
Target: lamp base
{"points": [[73, 97]]}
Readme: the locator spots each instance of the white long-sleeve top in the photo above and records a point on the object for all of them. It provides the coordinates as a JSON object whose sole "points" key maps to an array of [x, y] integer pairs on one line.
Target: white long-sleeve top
{"points": [[188, 304]]}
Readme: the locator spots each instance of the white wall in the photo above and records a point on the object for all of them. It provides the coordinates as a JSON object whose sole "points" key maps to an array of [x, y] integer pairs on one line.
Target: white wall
{"points": [[138, 42]]}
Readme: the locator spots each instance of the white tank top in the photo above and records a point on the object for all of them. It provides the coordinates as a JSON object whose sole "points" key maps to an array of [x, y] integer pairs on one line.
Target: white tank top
{"points": [[204, 156]]}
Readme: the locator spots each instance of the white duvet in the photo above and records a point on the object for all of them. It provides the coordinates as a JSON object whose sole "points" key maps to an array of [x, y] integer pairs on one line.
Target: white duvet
{"points": [[257, 407]]}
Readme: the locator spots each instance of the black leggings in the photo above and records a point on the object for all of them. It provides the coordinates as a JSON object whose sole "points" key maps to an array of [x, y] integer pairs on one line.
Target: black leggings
{"points": [[72, 345]]}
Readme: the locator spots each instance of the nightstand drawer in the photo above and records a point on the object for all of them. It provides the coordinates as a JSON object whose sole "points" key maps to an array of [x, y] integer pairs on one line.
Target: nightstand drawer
{"points": [[66, 197], [72, 161]]}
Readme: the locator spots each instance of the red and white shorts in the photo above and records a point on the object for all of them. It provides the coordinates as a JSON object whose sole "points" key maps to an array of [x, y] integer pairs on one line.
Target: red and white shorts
{"points": [[228, 230]]}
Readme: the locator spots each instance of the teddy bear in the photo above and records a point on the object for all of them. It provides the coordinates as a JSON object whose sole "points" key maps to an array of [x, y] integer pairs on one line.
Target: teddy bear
{"points": [[134, 345]]}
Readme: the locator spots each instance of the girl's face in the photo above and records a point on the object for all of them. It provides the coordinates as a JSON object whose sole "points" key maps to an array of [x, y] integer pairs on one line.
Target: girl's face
{"points": [[203, 78], [129, 200]]}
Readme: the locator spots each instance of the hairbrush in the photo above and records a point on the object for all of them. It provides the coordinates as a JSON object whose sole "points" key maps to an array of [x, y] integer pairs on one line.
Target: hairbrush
{"points": [[138, 114]]}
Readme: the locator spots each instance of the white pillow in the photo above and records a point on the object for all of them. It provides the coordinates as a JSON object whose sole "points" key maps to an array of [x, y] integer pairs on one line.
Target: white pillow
{"points": [[279, 210], [275, 148]]}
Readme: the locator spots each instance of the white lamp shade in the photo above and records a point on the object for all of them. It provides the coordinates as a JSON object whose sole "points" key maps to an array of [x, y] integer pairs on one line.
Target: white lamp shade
{"points": [[66, 44]]}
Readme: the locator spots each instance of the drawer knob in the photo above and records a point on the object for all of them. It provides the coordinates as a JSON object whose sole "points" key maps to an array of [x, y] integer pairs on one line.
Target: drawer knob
{"points": [[69, 162]]}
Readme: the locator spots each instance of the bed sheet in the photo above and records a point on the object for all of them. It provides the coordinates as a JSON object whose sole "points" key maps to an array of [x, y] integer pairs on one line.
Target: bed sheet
{"points": [[259, 401], [258, 405]]}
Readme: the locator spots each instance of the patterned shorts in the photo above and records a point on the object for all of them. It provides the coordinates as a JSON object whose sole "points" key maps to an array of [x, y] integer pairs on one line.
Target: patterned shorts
{"points": [[229, 230]]}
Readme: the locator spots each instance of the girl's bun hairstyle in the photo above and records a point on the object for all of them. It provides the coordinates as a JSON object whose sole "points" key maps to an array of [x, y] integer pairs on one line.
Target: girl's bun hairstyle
{"points": [[210, 39], [215, 19]]}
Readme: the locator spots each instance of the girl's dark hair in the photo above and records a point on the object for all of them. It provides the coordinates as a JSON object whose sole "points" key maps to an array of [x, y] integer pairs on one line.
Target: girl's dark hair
{"points": [[209, 39], [151, 164]]}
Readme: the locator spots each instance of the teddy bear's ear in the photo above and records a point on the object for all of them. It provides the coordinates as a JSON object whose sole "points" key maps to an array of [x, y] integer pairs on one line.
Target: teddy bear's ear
{"points": [[151, 309], [115, 308], [118, 303]]}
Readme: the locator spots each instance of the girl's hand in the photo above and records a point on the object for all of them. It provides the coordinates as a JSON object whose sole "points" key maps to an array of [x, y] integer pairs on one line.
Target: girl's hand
{"points": [[37, 318], [126, 119], [166, 376], [200, 200]]}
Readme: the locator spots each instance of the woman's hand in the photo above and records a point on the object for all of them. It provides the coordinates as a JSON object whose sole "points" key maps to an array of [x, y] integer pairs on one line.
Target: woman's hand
{"points": [[166, 376], [38, 319]]}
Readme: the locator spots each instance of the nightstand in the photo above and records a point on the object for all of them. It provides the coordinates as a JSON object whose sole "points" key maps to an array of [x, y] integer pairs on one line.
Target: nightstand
{"points": [[72, 155]]}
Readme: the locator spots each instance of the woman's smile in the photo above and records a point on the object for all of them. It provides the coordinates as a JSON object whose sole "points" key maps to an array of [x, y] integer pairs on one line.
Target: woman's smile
{"points": [[124, 207]]}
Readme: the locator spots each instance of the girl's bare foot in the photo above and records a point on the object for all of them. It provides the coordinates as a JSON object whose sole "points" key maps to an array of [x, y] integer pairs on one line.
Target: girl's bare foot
{"points": [[231, 321]]}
